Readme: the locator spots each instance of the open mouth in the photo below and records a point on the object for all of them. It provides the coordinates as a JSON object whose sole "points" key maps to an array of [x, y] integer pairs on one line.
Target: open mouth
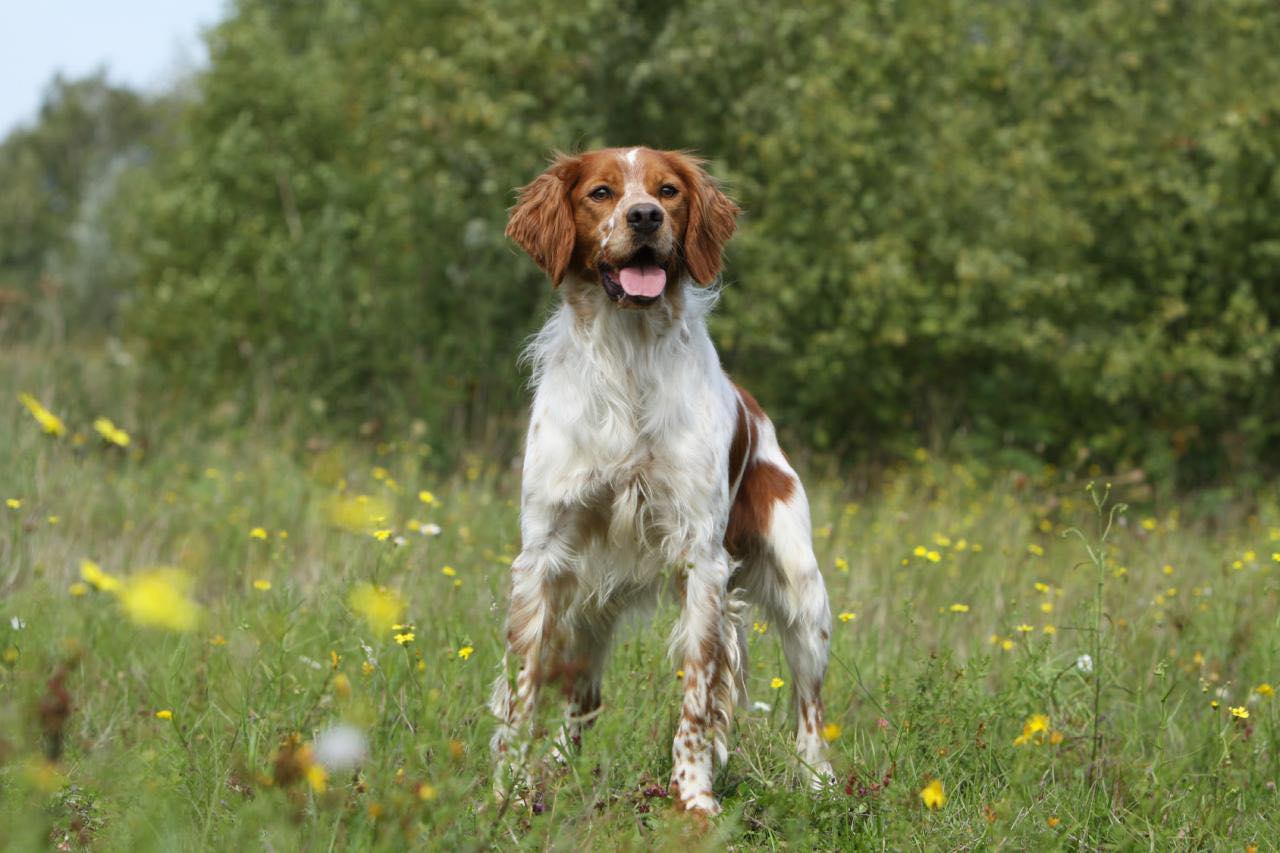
{"points": [[639, 281]]}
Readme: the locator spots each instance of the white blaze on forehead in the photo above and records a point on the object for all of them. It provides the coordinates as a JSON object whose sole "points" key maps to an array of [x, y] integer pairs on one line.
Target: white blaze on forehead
{"points": [[633, 192]]}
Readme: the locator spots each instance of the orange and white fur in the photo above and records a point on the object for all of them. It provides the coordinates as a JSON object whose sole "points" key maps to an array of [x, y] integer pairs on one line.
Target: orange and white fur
{"points": [[647, 468]]}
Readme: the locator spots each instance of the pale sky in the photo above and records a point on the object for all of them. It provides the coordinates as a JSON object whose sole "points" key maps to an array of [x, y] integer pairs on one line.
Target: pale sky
{"points": [[142, 43]]}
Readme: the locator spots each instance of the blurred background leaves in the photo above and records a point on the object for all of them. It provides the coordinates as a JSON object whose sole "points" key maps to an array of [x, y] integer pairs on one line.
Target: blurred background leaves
{"points": [[1019, 230]]}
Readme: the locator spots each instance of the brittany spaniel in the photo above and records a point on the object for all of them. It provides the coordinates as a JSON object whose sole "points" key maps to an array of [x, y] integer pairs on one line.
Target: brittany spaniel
{"points": [[644, 462]]}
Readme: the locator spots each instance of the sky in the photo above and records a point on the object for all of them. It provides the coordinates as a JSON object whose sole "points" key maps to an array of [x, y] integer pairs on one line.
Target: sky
{"points": [[142, 43]]}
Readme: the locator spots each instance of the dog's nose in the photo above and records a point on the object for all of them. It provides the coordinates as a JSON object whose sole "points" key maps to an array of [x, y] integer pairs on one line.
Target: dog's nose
{"points": [[644, 218]]}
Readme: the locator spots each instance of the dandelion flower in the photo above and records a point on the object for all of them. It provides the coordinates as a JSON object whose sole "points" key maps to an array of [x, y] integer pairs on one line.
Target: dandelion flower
{"points": [[78, 589], [449, 571], [959, 608], [842, 564], [13, 503], [258, 533], [1035, 724], [932, 795], [427, 498], [49, 422], [465, 652], [158, 598], [846, 616], [1024, 628], [1046, 607], [1049, 629], [165, 714], [380, 607], [830, 732], [262, 584], [777, 683], [382, 535], [933, 556], [1265, 690], [1240, 713], [1051, 822], [92, 574], [1035, 550], [920, 551], [111, 433], [404, 639], [427, 792]]}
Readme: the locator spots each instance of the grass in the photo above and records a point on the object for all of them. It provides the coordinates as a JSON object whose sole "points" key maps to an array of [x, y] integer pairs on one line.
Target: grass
{"points": [[968, 612]]}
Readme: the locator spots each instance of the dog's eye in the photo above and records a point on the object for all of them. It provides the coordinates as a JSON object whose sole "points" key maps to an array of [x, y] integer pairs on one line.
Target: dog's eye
{"points": [[668, 191], [601, 193]]}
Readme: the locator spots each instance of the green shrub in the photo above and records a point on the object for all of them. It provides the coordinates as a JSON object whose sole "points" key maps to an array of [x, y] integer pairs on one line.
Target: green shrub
{"points": [[1010, 228]]}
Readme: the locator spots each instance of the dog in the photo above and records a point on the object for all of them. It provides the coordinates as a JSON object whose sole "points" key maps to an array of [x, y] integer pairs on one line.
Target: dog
{"points": [[646, 467]]}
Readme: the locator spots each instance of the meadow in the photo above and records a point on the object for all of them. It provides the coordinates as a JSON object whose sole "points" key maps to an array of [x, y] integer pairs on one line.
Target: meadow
{"points": [[190, 602]]}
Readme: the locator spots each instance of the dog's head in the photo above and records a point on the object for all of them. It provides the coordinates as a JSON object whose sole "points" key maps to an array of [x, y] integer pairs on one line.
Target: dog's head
{"points": [[631, 220]]}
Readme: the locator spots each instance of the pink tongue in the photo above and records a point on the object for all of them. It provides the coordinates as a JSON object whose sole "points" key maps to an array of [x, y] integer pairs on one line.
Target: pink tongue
{"points": [[643, 281]]}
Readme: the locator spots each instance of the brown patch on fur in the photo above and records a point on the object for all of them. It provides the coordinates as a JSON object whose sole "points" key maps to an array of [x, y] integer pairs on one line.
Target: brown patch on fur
{"points": [[542, 220], [712, 218], [763, 483]]}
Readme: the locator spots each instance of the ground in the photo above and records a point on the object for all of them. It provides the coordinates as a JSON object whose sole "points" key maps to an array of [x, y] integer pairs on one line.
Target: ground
{"points": [[251, 584]]}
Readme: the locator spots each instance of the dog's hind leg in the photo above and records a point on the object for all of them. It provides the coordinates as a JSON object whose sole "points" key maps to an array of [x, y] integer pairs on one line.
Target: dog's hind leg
{"points": [[795, 598]]}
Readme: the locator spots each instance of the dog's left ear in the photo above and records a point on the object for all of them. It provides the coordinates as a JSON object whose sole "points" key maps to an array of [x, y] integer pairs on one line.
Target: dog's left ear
{"points": [[713, 217], [542, 220]]}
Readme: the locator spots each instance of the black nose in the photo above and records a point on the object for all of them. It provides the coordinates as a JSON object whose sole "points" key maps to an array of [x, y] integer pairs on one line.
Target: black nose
{"points": [[644, 218]]}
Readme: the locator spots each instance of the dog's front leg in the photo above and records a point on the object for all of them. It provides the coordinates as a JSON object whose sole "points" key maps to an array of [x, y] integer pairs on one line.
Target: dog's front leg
{"points": [[706, 641], [541, 590]]}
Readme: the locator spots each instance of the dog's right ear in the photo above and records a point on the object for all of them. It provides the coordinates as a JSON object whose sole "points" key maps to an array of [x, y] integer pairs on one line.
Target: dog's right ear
{"points": [[542, 220]]}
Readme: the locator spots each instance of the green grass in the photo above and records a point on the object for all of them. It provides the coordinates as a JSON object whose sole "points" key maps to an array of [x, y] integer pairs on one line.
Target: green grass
{"points": [[919, 690]]}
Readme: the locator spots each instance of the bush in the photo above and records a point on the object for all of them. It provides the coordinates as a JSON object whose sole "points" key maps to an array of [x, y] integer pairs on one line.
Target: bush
{"points": [[1015, 228]]}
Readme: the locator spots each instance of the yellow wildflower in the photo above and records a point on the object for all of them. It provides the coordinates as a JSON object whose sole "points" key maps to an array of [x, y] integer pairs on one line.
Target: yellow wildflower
{"points": [[760, 627], [679, 673], [1041, 586], [1035, 550], [165, 714], [427, 792], [258, 533], [262, 584], [13, 503], [933, 556], [1265, 690], [1240, 713], [358, 514], [49, 422], [959, 608], [1046, 607], [111, 433], [933, 795], [382, 535], [1051, 822], [842, 564], [449, 571], [920, 551], [777, 683], [846, 616], [427, 498], [830, 732], [78, 589], [1055, 737], [404, 639], [465, 652], [380, 607], [1006, 644], [1035, 724], [1167, 569], [1049, 629], [158, 598], [1024, 628], [1149, 524]]}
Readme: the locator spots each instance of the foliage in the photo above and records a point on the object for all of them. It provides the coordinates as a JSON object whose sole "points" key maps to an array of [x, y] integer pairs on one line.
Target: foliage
{"points": [[960, 654], [1015, 229]]}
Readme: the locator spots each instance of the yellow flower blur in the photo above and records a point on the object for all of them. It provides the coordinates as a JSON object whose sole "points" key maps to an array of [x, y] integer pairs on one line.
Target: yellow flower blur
{"points": [[933, 795], [49, 422], [111, 433], [380, 607], [158, 598]]}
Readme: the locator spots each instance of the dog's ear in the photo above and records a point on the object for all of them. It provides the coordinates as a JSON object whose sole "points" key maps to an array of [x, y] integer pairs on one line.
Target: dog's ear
{"points": [[712, 220], [542, 220]]}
